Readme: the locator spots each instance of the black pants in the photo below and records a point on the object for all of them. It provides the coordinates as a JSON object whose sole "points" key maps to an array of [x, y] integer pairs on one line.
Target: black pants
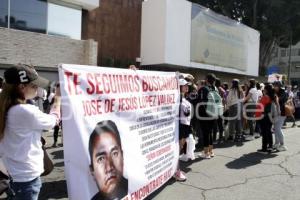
{"points": [[267, 138], [218, 127], [55, 133], [207, 130], [199, 134], [257, 127]]}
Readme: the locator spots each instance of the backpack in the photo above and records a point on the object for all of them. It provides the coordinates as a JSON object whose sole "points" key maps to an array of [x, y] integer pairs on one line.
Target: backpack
{"points": [[214, 107]]}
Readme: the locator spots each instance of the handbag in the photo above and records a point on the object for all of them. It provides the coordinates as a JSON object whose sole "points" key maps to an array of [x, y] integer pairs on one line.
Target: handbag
{"points": [[48, 164], [289, 108]]}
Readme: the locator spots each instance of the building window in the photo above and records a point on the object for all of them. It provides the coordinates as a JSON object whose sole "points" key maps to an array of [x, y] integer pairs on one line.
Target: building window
{"points": [[65, 21], [276, 53], [4, 13], [298, 52], [294, 52], [296, 67], [283, 52], [29, 15]]}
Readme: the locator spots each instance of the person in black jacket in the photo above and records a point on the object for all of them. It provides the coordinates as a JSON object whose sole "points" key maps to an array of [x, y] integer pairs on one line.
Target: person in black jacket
{"points": [[281, 100], [206, 122]]}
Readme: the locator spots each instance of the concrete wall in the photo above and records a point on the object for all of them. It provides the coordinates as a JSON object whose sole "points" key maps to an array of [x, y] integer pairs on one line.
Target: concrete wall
{"points": [[44, 50], [85, 4], [175, 37], [155, 38], [116, 26]]}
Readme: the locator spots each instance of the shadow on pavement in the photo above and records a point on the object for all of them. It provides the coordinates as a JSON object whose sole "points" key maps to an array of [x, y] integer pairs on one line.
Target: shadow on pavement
{"points": [[53, 190], [168, 183], [248, 160], [226, 144], [58, 154], [59, 164]]}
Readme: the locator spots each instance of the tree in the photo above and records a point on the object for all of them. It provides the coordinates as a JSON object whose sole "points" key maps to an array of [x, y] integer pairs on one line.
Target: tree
{"points": [[276, 20]]}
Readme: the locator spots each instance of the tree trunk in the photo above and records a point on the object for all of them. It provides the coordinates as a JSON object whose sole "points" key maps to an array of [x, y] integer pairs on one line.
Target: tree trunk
{"points": [[254, 24], [266, 50]]}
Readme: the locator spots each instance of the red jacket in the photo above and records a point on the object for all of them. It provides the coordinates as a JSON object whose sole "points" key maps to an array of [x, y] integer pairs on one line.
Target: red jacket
{"points": [[265, 100]]}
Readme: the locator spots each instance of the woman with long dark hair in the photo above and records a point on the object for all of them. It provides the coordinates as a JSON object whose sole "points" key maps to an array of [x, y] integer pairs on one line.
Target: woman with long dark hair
{"points": [[21, 127], [267, 111], [234, 104], [250, 102]]}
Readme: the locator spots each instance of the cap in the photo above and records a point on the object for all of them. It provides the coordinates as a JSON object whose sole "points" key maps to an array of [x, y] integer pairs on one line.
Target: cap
{"points": [[22, 74], [183, 82], [236, 80]]}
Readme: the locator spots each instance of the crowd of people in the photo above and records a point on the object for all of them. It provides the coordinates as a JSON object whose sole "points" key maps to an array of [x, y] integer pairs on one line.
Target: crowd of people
{"points": [[212, 111], [217, 112]]}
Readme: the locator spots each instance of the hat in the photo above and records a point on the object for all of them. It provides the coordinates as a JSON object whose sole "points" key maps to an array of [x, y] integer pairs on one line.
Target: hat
{"points": [[183, 82], [23, 74], [236, 80]]}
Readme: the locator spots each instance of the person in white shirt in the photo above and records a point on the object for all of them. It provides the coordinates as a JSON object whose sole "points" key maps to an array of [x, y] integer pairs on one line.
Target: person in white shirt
{"points": [[250, 102], [21, 127], [185, 109], [259, 91], [259, 96], [290, 92]]}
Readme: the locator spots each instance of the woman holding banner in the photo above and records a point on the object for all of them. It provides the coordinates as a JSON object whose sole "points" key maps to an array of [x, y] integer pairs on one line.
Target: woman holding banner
{"points": [[184, 125], [21, 127]]}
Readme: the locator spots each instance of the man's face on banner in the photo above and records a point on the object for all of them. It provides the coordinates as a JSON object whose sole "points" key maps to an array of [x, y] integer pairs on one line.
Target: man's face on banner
{"points": [[107, 162]]}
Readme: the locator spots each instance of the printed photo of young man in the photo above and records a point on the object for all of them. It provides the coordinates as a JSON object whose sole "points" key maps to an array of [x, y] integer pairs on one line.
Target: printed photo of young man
{"points": [[107, 162]]}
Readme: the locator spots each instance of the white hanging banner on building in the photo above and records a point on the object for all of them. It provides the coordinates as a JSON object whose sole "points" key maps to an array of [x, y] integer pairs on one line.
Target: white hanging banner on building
{"points": [[220, 41], [120, 131]]}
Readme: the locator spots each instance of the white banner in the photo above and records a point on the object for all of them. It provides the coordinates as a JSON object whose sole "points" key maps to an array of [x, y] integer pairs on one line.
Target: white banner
{"points": [[274, 77], [120, 131], [220, 41]]}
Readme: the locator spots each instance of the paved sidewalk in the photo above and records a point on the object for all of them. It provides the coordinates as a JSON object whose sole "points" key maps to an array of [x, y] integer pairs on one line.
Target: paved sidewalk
{"points": [[236, 173], [239, 173]]}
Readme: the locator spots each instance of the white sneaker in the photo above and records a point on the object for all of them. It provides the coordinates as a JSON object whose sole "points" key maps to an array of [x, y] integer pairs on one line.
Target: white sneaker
{"points": [[183, 158], [282, 148], [179, 176], [276, 146], [205, 156]]}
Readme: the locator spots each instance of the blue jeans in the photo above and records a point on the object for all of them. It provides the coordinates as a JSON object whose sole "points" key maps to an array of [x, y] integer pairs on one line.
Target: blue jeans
{"points": [[279, 138], [26, 190]]}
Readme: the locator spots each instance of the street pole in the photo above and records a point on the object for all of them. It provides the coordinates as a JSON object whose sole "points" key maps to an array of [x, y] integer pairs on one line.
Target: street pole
{"points": [[290, 55]]}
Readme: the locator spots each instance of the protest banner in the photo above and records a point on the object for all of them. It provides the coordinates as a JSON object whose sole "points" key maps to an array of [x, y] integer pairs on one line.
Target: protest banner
{"points": [[120, 131], [274, 77]]}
